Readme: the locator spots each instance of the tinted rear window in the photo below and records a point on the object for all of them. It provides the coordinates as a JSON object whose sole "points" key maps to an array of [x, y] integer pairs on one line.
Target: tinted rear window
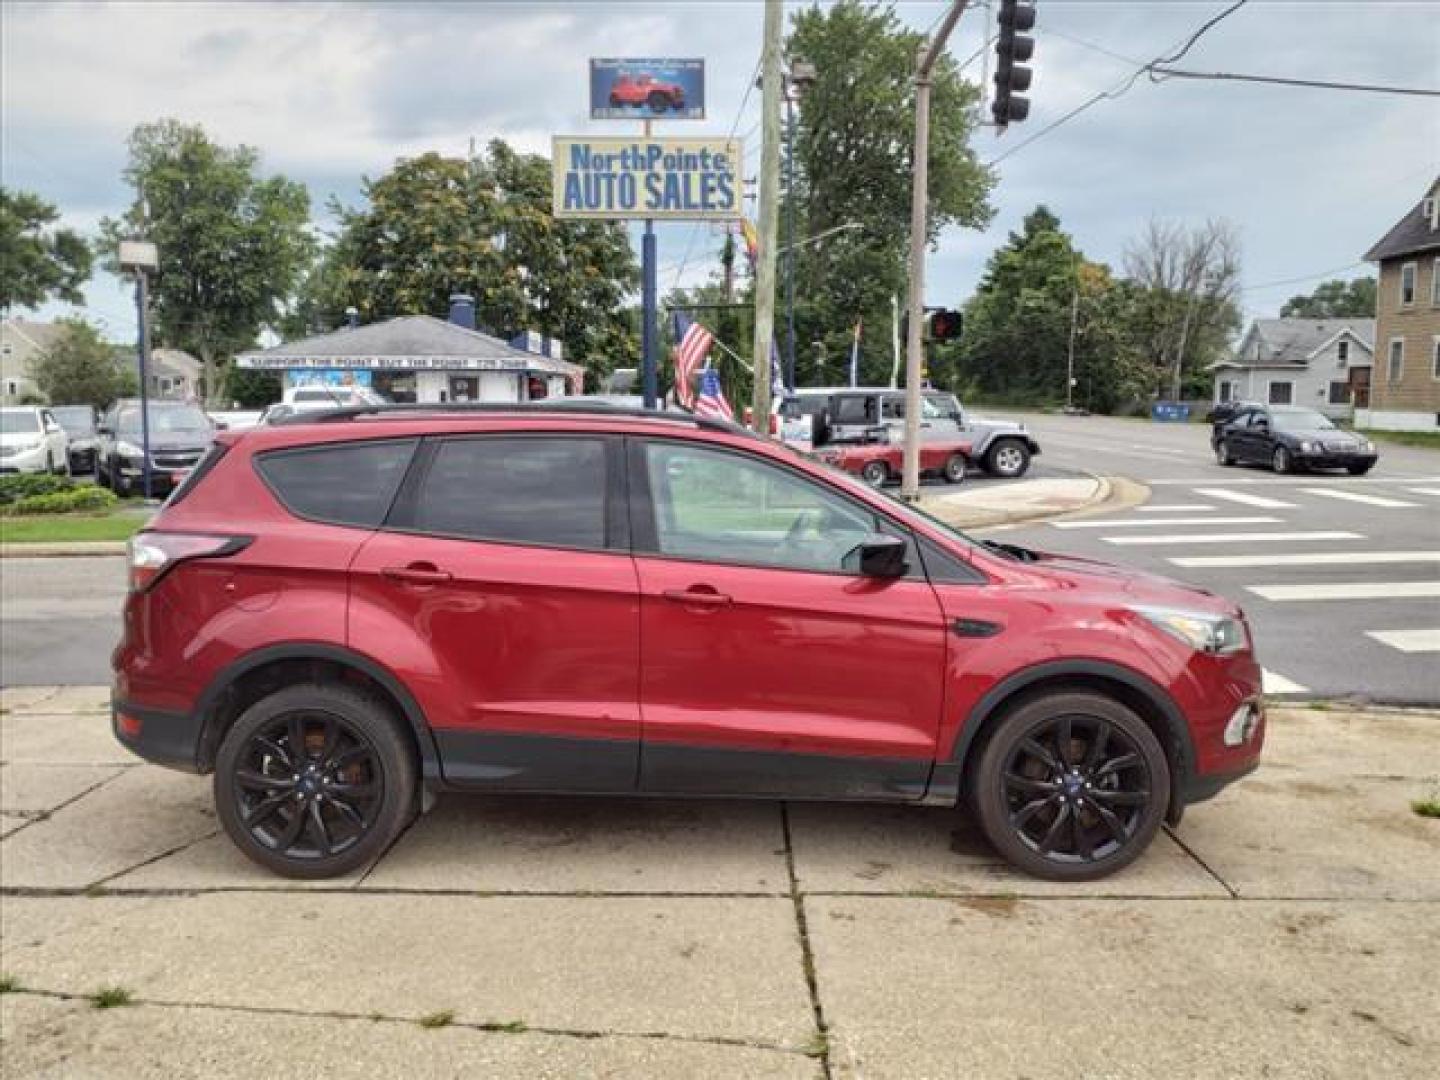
{"points": [[344, 484], [527, 490]]}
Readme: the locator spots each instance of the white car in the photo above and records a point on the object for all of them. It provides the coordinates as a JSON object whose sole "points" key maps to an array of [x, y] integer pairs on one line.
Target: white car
{"points": [[32, 441]]}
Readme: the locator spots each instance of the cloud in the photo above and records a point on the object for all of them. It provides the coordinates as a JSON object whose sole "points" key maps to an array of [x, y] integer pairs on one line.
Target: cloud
{"points": [[330, 92]]}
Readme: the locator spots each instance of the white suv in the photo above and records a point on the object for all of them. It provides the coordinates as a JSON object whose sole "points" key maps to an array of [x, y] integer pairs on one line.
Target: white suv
{"points": [[31, 441]]}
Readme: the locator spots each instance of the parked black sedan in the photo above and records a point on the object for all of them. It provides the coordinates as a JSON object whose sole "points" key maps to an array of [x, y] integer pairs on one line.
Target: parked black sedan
{"points": [[1289, 438]]}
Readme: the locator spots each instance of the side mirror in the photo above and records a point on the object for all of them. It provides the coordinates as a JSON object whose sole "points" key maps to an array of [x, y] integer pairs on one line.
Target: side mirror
{"points": [[879, 556], [103, 429]]}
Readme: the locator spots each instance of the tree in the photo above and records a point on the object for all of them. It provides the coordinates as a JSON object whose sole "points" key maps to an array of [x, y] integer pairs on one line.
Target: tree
{"points": [[435, 226], [232, 243], [1354, 299], [852, 166], [1186, 312], [38, 263], [80, 369]]}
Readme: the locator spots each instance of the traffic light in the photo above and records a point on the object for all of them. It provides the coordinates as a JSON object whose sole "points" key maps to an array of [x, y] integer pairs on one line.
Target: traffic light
{"points": [[945, 325], [1012, 77]]}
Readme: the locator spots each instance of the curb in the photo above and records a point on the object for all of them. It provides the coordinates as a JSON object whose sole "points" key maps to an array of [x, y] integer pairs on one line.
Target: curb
{"points": [[59, 550], [1110, 493]]}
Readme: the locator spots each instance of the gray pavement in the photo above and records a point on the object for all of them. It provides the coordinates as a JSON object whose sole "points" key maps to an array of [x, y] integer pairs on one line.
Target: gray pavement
{"points": [[59, 619], [1285, 929]]}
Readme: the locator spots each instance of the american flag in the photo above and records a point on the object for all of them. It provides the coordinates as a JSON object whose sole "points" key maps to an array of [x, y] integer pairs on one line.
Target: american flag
{"points": [[692, 346], [711, 401]]}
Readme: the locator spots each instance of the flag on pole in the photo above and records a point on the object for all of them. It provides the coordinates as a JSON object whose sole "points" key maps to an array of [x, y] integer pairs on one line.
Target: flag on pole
{"points": [[692, 347], [711, 401], [855, 357], [777, 378], [752, 242]]}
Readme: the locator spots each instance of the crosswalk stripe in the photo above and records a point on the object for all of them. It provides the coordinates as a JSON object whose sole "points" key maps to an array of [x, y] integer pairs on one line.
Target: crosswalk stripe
{"points": [[1312, 558], [1226, 538], [1262, 501], [1349, 590], [1355, 496], [1177, 508], [1424, 490], [1231, 481], [1273, 683], [1408, 641], [1125, 523]]}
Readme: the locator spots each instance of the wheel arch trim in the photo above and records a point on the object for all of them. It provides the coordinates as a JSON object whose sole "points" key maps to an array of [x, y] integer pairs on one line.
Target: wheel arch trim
{"points": [[317, 650]]}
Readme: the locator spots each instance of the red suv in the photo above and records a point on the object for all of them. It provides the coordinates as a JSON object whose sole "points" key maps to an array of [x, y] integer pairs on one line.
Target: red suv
{"points": [[646, 90], [340, 614]]}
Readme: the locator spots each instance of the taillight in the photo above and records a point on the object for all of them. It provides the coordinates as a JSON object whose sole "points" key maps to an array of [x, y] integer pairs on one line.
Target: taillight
{"points": [[151, 554]]}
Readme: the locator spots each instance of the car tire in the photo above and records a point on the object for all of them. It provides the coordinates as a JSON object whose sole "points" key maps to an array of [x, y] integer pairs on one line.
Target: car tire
{"points": [[1008, 458], [1223, 455], [1359, 470], [875, 473], [954, 470], [1081, 816], [348, 788], [1281, 461]]}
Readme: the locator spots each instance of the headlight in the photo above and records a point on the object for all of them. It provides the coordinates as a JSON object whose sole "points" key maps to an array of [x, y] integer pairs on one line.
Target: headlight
{"points": [[1308, 447], [128, 449], [1364, 446], [1203, 633]]}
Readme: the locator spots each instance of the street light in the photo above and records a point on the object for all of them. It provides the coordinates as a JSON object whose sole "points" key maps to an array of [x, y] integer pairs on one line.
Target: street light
{"points": [[143, 258], [798, 79]]}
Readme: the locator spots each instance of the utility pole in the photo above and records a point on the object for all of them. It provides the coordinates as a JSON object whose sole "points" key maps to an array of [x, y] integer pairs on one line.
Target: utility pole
{"points": [[919, 215], [769, 225], [1070, 354]]}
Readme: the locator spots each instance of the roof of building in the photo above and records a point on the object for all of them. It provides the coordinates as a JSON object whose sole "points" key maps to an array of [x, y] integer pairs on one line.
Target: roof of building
{"points": [[1413, 233], [1292, 342], [174, 362], [38, 335], [422, 340]]}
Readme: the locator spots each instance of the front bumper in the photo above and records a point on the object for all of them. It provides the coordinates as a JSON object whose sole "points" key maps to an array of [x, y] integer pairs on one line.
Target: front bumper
{"points": [[35, 460], [1335, 459], [164, 738]]}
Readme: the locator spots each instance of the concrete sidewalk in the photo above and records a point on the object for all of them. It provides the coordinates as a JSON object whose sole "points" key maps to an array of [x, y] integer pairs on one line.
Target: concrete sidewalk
{"points": [[1291, 927]]}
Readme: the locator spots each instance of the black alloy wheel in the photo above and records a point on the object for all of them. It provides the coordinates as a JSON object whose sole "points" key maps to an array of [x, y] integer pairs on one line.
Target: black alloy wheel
{"points": [[1281, 461], [1072, 787], [314, 780], [1222, 453]]}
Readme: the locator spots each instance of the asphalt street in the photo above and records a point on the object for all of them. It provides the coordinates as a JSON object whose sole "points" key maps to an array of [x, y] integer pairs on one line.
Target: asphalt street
{"points": [[1340, 575]]}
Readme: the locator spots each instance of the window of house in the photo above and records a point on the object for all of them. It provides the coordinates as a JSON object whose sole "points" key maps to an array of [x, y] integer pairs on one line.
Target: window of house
{"points": [[11, 387], [545, 492], [1342, 351], [1396, 369], [1282, 393], [1407, 284], [1435, 283], [1435, 357], [1227, 391], [1339, 393]]}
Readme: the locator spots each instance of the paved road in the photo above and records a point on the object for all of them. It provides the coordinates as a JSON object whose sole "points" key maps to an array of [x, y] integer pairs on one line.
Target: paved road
{"points": [[1340, 574], [61, 619]]}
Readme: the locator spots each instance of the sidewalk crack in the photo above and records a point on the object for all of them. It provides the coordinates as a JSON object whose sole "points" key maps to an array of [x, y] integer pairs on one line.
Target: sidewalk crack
{"points": [[807, 954], [1234, 895]]}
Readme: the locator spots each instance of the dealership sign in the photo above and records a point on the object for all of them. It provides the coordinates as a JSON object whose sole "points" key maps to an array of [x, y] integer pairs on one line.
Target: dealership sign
{"points": [[647, 89], [679, 179]]}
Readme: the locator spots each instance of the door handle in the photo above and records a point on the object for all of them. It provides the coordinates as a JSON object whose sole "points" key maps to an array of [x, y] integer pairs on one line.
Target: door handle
{"points": [[417, 574], [697, 597]]}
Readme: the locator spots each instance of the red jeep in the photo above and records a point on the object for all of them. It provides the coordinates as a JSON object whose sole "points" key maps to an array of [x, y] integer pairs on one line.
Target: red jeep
{"points": [[637, 90], [333, 613], [877, 463]]}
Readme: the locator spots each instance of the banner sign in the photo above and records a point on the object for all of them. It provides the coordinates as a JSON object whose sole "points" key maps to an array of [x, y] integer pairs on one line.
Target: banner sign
{"points": [[677, 179], [647, 89]]}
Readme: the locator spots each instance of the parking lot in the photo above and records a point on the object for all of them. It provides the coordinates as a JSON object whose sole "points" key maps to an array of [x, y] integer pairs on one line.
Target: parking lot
{"points": [[1285, 929]]}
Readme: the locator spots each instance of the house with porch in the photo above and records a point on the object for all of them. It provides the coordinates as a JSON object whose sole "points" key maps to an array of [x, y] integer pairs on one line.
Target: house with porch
{"points": [[1322, 364]]}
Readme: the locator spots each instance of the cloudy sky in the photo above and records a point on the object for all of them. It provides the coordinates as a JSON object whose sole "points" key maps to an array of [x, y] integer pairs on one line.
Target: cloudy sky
{"points": [[331, 92]]}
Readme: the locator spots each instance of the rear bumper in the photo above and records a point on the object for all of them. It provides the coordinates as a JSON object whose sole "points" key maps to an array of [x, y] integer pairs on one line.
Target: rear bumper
{"points": [[164, 738], [1199, 788]]}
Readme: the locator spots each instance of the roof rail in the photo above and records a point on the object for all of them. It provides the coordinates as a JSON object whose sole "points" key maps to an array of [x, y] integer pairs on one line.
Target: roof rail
{"points": [[569, 406]]}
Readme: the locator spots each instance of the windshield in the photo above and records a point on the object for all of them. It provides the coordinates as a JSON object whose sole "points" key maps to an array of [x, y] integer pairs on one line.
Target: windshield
{"points": [[19, 421], [167, 420], [76, 419], [1300, 420]]}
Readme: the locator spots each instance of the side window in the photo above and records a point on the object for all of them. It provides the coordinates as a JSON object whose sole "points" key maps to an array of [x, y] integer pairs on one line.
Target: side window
{"points": [[850, 409], [725, 507], [342, 484], [516, 490], [892, 408]]}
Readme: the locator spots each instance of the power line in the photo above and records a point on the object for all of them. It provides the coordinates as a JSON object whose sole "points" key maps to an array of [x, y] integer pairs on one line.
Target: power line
{"points": [[1160, 74], [1300, 280], [1125, 85]]}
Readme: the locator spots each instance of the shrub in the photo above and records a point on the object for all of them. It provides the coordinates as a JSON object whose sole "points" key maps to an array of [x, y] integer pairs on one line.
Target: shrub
{"points": [[62, 502], [16, 486]]}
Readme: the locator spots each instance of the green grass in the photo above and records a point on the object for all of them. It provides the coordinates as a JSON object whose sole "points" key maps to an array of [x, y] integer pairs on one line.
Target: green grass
{"points": [[69, 528], [443, 1018], [1426, 440], [110, 997], [1427, 807]]}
